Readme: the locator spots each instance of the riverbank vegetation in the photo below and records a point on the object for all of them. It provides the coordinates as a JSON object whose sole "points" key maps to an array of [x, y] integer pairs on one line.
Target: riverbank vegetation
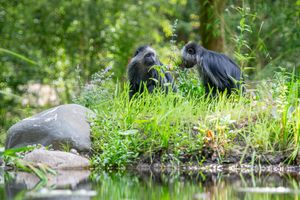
{"points": [[56, 52], [260, 127]]}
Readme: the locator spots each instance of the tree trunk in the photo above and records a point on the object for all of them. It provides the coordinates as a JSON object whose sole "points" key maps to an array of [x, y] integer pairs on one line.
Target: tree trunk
{"points": [[212, 24]]}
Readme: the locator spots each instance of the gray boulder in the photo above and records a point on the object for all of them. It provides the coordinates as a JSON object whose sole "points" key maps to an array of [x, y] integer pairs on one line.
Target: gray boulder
{"points": [[58, 126]]}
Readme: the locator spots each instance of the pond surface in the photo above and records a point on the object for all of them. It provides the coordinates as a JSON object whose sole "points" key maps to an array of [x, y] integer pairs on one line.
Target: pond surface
{"points": [[150, 185]]}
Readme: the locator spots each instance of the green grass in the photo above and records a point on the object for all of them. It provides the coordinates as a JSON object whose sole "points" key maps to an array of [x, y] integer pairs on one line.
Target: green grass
{"points": [[184, 127]]}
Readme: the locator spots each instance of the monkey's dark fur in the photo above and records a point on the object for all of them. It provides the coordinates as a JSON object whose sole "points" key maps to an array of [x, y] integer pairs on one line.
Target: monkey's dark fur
{"points": [[141, 71], [219, 72]]}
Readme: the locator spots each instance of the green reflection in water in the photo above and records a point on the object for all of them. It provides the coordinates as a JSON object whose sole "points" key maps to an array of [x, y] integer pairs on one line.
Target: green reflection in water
{"points": [[152, 185], [196, 186]]}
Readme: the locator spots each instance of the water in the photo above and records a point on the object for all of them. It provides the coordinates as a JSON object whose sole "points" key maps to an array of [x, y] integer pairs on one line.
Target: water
{"points": [[150, 185]]}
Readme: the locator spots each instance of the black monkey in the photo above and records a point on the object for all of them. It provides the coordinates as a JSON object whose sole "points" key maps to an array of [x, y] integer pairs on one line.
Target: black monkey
{"points": [[141, 71], [218, 71]]}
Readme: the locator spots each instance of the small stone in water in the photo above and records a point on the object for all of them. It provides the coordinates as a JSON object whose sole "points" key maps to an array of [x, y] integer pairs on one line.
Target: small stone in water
{"points": [[74, 151], [201, 196], [58, 193]]}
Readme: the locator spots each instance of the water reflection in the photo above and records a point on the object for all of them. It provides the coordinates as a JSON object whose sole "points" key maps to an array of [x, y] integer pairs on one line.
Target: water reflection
{"points": [[154, 185], [196, 185], [20, 185]]}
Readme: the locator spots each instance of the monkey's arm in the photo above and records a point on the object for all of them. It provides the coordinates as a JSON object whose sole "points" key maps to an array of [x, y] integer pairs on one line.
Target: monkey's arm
{"points": [[134, 79], [132, 90], [152, 79], [150, 86]]}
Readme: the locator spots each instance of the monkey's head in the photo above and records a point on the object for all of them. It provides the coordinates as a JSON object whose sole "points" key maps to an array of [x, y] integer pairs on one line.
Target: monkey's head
{"points": [[146, 56], [190, 54]]}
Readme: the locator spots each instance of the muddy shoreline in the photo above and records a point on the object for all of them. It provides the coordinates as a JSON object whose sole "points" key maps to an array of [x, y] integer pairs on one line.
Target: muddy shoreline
{"points": [[233, 162], [216, 168]]}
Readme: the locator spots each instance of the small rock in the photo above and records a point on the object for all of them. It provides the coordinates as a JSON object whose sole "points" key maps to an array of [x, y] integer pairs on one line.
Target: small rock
{"points": [[201, 196], [57, 159], [74, 151]]}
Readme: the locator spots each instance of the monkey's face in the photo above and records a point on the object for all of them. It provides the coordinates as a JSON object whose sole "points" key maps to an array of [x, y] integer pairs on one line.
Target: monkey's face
{"points": [[146, 56], [189, 54], [149, 58]]}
